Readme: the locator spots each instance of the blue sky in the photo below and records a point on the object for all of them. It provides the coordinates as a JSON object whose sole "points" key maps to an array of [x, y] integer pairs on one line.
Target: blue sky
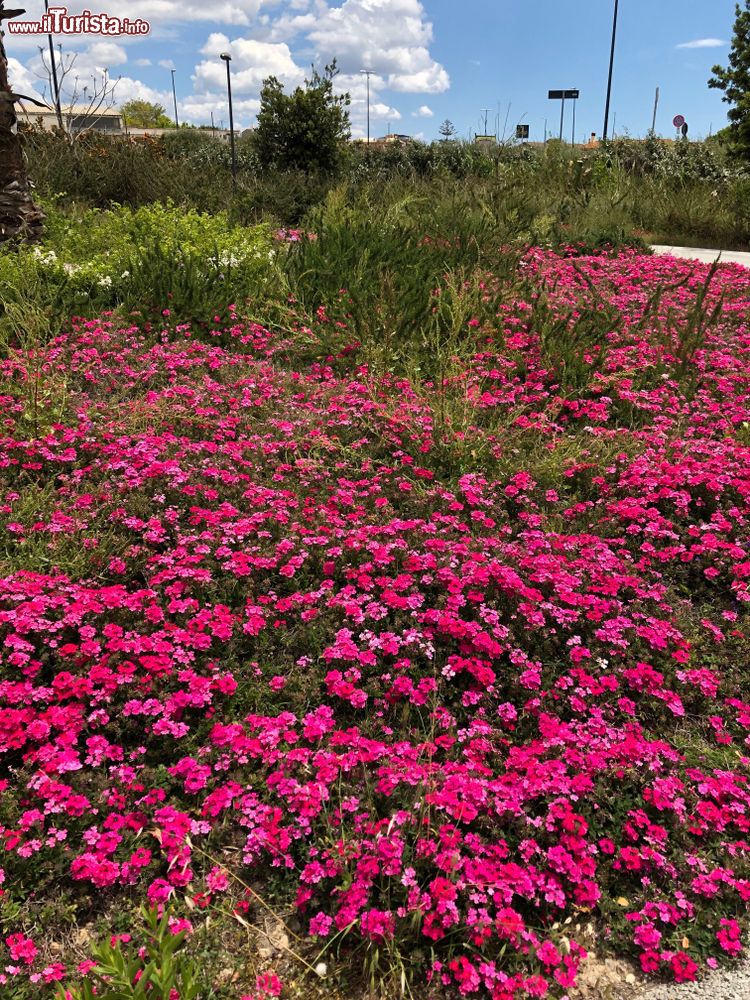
{"points": [[432, 59]]}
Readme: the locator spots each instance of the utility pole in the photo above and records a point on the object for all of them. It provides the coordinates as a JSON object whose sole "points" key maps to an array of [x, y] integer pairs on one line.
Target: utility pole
{"points": [[486, 111], [562, 116], [368, 73], [174, 96], [656, 108], [611, 69], [574, 122], [53, 68]]}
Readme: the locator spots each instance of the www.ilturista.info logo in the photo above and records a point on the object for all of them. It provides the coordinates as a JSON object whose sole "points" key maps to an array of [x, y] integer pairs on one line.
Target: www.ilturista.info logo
{"points": [[57, 21]]}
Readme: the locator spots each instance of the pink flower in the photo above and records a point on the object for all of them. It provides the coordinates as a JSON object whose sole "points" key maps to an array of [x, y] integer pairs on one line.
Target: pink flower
{"points": [[683, 967], [217, 880], [22, 948]]}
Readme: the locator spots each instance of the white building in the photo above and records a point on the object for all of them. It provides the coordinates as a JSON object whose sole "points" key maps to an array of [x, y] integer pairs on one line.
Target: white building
{"points": [[75, 119]]}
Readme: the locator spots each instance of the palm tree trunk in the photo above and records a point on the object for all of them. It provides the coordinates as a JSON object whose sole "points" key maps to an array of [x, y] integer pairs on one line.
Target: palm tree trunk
{"points": [[20, 218]]}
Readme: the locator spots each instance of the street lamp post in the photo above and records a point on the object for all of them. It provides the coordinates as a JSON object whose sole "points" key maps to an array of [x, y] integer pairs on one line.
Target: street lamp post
{"points": [[611, 68], [174, 96], [368, 73], [227, 59]]}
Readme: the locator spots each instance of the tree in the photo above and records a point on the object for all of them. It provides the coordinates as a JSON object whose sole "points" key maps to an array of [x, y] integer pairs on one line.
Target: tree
{"points": [[19, 216], [734, 80], [75, 103], [447, 130], [144, 114], [305, 130]]}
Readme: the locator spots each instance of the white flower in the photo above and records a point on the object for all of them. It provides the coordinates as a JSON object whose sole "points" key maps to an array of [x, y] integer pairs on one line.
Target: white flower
{"points": [[321, 969]]}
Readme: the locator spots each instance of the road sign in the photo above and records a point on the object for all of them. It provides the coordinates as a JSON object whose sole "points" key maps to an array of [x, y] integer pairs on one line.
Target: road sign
{"points": [[522, 131], [678, 121], [684, 130], [563, 96]]}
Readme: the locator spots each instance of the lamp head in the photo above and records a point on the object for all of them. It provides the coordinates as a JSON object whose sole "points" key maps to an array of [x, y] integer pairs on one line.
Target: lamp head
{"points": [[225, 56]]}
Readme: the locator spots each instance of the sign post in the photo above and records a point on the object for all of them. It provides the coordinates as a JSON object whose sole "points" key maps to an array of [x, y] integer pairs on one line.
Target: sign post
{"points": [[563, 95]]}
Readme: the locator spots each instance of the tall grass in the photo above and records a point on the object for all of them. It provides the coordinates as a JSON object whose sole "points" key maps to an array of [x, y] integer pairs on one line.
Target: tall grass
{"points": [[679, 193]]}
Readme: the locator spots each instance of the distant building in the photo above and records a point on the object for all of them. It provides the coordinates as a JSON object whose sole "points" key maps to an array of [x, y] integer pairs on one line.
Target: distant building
{"points": [[485, 141], [75, 119]]}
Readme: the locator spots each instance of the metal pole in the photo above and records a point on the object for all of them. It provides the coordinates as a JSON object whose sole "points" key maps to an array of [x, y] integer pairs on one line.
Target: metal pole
{"points": [[545, 131], [227, 58], [213, 127], [231, 127], [611, 69], [53, 66], [656, 106], [574, 121], [174, 95], [562, 116], [368, 110]]}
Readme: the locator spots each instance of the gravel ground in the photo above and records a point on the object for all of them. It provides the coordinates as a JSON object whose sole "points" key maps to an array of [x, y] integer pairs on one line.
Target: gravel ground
{"points": [[724, 985]]}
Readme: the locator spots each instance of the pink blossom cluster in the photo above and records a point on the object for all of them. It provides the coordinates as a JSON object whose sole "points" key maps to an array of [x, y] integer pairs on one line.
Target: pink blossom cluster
{"points": [[449, 711]]}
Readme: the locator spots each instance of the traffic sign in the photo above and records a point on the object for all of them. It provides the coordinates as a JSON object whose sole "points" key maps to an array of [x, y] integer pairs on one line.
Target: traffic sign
{"points": [[678, 121], [522, 131], [564, 95]]}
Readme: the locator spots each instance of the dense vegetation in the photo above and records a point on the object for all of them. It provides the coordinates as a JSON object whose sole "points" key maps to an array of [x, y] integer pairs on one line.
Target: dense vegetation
{"points": [[685, 193], [373, 603], [373, 595]]}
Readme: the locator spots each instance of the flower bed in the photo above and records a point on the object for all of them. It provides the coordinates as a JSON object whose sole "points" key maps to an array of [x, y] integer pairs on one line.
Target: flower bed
{"points": [[251, 628]]}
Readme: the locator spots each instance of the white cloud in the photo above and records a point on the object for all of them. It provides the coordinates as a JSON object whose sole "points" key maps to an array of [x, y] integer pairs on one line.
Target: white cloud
{"points": [[167, 64], [197, 110], [142, 62], [240, 12], [703, 43], [22, 81], [252, 61], [423, 112], [388, 36], [128, 89], [384, 112]]}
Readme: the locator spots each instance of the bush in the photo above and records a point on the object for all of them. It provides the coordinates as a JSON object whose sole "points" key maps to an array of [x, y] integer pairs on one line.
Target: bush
{"points": [[147, 259]]}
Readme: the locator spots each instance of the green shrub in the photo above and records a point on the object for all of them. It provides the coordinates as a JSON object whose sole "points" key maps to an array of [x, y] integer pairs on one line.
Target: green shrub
{"points": [[145, 259], [122, 973]]}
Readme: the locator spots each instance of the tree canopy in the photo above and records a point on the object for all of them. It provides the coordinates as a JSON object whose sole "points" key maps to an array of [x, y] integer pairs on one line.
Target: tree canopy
{"points": [[734, 80], [447, 130], [305, 130], [145, 114]]}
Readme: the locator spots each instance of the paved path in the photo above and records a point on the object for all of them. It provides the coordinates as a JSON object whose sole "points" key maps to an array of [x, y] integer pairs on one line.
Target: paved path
{"points": [[707, 256]]}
